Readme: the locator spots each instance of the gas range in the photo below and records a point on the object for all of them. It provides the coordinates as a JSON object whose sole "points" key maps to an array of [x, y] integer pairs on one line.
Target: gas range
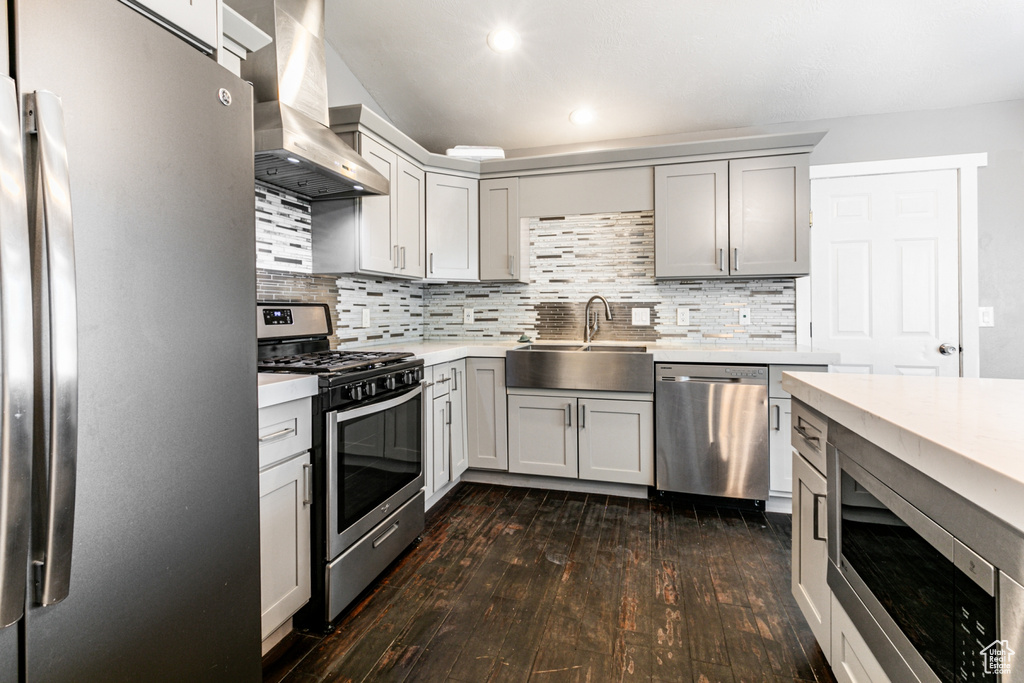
{"points": [[367, 451], [359, 368], [293, 338]]}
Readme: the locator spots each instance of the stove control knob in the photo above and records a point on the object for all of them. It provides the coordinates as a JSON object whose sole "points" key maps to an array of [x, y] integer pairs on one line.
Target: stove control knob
{"points": [[390, 383], [408, 377], [371, 388], [356, 392]]}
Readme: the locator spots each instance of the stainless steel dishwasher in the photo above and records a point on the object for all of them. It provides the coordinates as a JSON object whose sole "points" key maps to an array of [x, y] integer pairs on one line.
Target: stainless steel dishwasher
{"points": [[711, 429]]}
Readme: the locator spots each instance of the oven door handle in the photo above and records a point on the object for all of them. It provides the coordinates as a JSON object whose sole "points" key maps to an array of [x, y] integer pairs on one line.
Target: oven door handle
{"points": [[332, 419], [345, 415]]}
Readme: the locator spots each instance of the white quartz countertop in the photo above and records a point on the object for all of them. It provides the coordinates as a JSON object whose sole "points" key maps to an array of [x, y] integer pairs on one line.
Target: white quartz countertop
{"points": [[276, 387], [967, 434], [433, 352]]}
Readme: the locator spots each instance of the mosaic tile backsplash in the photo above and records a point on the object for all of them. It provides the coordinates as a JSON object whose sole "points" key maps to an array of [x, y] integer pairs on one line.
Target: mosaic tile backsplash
{"points": [[571, 259], [575, 257]]}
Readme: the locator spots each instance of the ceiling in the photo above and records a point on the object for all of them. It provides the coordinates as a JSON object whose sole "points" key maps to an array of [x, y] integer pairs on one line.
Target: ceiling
{"points": [[652, 67]]}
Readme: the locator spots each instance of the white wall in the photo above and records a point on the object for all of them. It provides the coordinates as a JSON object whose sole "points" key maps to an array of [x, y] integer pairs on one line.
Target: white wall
{"points": [[997, 129], [343, 87]]}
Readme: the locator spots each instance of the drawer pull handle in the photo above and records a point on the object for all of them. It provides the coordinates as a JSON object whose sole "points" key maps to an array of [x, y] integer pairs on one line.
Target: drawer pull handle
{"points": [[804, 433], [815, 520], [778, 417], [384, 536], [307, 484], [278, 434]]}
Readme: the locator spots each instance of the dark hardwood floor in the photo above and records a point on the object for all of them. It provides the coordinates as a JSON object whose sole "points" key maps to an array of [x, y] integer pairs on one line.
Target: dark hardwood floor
{"points": [[513, 584]]}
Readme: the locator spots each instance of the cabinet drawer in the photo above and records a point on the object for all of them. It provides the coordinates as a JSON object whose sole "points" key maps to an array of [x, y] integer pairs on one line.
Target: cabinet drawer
{"points": [[809, 433], [284, 430]]}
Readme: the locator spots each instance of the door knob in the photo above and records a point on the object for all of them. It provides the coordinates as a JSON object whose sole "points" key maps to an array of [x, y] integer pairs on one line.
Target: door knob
{"points": [[948, 349]]}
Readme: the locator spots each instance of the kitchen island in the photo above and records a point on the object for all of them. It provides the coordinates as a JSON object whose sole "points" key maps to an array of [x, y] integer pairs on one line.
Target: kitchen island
{"points": [[918, 574]]}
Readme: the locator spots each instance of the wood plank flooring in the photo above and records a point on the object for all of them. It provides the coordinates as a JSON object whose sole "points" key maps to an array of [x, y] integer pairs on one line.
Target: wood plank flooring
{"points": [[514, 584]]}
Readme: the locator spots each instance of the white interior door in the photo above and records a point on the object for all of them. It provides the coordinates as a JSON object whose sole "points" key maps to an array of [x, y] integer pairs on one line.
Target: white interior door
{"points": [[885, 264]]}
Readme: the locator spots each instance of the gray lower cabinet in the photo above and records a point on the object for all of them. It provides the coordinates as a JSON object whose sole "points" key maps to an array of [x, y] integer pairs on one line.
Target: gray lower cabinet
{"points": [[780, 460], [739, 218], [486, 415], [453, 228], [851, 658], [780, 410], [596, 437], [616, 441], [284, 540], [444, 425], [542, 435], [810, 550], [285, 498], [504, 248]]}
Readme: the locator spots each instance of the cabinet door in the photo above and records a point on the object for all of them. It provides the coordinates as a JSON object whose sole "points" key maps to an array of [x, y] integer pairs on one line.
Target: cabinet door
{"points": [[851, 659], [284, 541], [501, 245], [691, 220], [410, 221], [440, 442], [376, 214], [542, 435], [453, 228], [780, 452], [486, 417], [457, 410], [769, 216], [810, 551], [616, 441]]}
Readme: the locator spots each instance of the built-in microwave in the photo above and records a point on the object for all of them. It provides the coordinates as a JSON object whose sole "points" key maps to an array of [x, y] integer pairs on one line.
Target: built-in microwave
{"points": [[931, 581]]}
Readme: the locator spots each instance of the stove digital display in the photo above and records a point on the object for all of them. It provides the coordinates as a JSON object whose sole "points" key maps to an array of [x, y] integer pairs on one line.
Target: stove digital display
{"points": [[277, 316]]}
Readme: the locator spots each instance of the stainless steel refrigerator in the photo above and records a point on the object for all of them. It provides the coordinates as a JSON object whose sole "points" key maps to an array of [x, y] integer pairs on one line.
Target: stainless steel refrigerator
{"points": [[129, 544]]}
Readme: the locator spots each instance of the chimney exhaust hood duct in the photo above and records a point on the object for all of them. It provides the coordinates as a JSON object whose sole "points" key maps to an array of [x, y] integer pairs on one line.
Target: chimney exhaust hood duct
{"points": [[295, 149]]}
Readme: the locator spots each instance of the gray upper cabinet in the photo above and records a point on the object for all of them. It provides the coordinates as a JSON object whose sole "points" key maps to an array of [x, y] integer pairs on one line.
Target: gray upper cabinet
{"points": [[691, 219], [769, 215], [409, 229], [504, 248], [375, 235], [739, 218], [453, 228]]}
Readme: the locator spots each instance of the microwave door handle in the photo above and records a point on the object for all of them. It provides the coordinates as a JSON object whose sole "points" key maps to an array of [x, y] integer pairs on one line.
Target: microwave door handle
{"points": [[52, 562], [17, 372]]}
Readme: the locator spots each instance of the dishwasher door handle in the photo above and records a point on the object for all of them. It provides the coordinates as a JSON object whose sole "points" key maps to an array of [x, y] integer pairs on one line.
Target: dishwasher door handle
{"points": [[705, 380]]}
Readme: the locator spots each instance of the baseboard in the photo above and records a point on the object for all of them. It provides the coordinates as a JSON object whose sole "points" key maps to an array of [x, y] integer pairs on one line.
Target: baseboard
{"points": [[779, 503], [276, 637], [555, 483]]}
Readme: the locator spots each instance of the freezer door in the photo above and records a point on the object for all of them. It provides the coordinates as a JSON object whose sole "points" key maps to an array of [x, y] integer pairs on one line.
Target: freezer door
{"points": [[164, 579]]}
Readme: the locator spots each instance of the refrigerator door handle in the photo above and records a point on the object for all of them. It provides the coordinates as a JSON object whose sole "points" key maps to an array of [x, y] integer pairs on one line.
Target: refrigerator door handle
{"points": [[53, 559], [17, 373]]}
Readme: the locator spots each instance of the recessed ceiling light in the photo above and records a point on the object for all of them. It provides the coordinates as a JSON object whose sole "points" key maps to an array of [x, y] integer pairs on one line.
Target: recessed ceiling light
{"points": [[582, 116], [502, 40]]}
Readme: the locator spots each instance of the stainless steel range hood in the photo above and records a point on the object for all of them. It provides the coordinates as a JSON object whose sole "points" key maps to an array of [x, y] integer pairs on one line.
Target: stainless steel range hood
{"points": [[295, 150]]}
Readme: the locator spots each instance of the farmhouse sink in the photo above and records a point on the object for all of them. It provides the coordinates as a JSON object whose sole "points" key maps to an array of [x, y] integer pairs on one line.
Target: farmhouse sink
{"points": [[591, 367]]}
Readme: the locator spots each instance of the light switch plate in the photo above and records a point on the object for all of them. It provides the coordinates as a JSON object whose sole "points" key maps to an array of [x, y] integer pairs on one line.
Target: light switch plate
{"points": [[682, 316], [641, 316], [467, 316], [986, 316], [744, 316], [366, 317]]}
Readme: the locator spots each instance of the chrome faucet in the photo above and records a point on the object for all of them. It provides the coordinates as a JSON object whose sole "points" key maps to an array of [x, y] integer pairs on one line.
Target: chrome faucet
{"points": [[588, 331]]}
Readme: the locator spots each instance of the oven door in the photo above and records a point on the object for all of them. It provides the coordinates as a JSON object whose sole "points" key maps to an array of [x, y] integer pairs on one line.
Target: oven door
{"points": [[374, 455], [901, 568]]}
